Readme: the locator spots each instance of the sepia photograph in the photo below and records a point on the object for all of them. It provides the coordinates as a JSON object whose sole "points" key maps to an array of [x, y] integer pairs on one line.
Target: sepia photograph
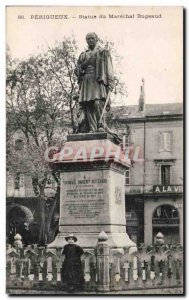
{"points": [[94, 150]]}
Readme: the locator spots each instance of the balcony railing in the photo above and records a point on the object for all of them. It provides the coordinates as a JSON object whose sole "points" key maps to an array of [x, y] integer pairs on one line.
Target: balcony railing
{"points": [[165, 221], [138, 189]]}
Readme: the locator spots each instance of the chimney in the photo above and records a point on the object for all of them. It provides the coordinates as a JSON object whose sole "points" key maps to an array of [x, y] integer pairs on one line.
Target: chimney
{"points": [[141, 101]]}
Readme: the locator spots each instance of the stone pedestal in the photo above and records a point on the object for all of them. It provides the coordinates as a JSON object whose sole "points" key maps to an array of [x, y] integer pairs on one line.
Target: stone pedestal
{"points": [[92, 196]]}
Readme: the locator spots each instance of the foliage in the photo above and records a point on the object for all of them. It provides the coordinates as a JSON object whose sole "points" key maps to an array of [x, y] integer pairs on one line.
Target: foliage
{"points": [[39, 98], [120, 89]]}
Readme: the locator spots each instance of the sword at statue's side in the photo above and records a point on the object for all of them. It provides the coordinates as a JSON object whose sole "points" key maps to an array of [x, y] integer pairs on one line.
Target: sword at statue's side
{"points": [[104, 108], [107, 100]]}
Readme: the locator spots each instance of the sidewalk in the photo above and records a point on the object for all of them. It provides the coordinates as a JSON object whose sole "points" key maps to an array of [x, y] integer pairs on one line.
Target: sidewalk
{"points": [[163, 291]]}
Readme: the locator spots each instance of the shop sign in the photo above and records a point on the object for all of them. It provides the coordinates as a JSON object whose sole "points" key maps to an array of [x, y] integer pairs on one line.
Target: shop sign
{"points": [[168, 189]]}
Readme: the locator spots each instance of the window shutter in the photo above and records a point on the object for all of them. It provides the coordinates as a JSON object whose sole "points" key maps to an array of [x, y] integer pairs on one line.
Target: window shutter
{"points": [[161, 141], [167, 141], [127, 177], [125, 139], [167, 175]]}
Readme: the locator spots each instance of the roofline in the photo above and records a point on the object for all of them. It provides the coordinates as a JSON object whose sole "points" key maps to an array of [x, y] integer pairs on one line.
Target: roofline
{"points": [[157, 118], [151, 104]]}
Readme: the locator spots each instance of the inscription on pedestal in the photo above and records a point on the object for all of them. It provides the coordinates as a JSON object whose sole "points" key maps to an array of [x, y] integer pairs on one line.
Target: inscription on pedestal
{"points": [[92, 198], [84, 197]]}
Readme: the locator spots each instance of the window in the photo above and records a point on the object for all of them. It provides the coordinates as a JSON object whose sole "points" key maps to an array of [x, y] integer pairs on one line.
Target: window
{"points": [[125, 141], [165, 174], [166, 212], [17, 181], [165, 141], [127, 177]]}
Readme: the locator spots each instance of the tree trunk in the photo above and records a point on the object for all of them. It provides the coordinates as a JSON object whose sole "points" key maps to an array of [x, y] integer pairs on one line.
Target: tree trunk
{"points": [[51, 215], [42, 232], [49, 220], [72, 115]]}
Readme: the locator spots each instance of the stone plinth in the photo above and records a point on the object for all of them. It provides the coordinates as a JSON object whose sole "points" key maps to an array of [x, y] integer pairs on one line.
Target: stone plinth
{"points": [[92, 196]]}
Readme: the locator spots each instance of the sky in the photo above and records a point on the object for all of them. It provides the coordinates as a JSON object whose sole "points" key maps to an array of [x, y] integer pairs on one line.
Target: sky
{"points": [[151, 47]]}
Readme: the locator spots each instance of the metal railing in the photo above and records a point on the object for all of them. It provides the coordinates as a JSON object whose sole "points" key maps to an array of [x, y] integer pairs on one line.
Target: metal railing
{"points": [[149, 267], [138, 189], [166, 221]]}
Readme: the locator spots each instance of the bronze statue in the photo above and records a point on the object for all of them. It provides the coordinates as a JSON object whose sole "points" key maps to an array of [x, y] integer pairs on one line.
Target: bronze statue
{"points": [[96, 81]]}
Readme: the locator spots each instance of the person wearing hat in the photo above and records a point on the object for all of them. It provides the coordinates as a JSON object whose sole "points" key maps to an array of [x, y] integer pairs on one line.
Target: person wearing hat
{"points": [[72, 271]]}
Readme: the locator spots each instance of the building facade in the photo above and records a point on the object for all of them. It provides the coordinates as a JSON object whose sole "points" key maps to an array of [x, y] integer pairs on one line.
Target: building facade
{"points": [[153, 139]]}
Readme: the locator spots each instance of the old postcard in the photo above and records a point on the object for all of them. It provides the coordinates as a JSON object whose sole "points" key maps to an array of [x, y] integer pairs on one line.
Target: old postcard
{"points": [[94, 100]]}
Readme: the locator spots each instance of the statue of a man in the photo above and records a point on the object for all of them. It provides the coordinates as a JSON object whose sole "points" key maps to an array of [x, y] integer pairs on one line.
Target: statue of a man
{"points": [[95, 78]]}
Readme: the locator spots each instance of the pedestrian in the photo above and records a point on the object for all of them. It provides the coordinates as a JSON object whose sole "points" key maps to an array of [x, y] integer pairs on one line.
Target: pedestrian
{"points": [[72, 270]]}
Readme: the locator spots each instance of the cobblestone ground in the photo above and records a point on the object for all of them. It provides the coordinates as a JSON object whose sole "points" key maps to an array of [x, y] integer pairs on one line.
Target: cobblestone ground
{"points": [[164, 291]]}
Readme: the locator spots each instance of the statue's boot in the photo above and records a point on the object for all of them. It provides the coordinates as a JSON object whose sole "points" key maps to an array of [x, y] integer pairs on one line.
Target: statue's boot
{"points": [[101, 127]]}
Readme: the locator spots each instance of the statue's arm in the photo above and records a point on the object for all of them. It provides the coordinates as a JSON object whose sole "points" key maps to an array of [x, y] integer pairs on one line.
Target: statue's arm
{"points": [[110, 72], [78, 70], [82, 63]]}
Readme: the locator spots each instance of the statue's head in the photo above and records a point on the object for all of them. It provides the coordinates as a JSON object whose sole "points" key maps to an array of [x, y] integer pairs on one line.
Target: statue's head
{"points": [[91, 39]]}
